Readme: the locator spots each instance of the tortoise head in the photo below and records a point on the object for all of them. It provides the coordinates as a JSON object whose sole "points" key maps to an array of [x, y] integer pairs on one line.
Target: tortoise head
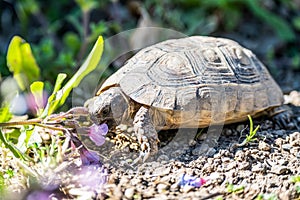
{"points": [[108, 107]]}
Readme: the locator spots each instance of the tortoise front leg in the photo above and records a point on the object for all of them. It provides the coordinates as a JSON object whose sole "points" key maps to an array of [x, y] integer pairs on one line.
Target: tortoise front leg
{"points": [[146, 133]]}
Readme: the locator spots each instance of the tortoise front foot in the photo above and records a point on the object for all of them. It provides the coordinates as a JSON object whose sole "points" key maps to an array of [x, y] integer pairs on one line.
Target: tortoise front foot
{"points": [[282, 116], [146, 133]]}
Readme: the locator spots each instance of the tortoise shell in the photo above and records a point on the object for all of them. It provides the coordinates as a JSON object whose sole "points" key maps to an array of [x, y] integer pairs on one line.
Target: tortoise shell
{"points": [[198, 76]]}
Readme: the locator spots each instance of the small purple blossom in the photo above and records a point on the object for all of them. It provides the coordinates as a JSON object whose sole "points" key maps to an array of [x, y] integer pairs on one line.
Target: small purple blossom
{"points": [[39, 195], [97, 133], [89, 157], [35, 103], [93, 176], [191, 181]]}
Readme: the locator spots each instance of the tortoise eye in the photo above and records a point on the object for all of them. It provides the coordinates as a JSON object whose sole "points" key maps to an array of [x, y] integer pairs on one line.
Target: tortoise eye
{"points": [[105, 111]]}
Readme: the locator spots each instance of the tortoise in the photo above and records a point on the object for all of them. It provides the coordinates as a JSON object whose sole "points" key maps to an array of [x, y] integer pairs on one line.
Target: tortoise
{"points": [[190, 82]]}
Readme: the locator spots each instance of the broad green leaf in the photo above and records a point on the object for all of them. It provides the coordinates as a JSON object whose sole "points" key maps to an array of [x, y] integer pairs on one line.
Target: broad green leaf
{"points": [[21, 63], [37, 89], [58, 98]]}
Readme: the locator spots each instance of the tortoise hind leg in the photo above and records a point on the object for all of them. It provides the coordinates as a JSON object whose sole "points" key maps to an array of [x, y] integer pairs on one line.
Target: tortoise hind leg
{"points": [[146, 133], [282, 116]]}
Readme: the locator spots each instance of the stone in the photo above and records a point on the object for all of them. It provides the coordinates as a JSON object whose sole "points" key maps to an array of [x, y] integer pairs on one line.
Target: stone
{"points": [[286, 147], [264, 146], [129, 192], [161, 187]]}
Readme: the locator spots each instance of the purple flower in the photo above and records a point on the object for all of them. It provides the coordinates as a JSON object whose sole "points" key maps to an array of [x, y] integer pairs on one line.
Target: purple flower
{"points": [[39, 195], [93, 176], [36, 103], [97, 133], [89, 157], [191, 181]]}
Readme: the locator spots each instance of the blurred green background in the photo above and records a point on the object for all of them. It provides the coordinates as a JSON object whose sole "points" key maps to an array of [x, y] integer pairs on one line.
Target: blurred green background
{"points": [[62, 33]]}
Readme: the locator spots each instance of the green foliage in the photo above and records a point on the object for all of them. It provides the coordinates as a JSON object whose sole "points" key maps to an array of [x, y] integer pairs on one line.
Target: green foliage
{"points": [[37, 90], [231, 188], [252, 133], [23, 139], [266, 197], [2, 185], [295, 179], [10, 146], [27, 135], [279, 25], [201, 17], [87, 5], [21, 62], [5, 114], [59, 96]]}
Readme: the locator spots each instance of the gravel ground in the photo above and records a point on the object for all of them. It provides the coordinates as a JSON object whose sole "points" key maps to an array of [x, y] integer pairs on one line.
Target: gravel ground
{"points": [[260, 169]]}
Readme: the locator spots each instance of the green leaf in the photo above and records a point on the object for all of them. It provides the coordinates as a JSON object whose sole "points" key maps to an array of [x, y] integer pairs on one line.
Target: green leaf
{"points": [[297, 189], [21, 63], [5, 114], [280, 26], [24, 137], [59, 97], [53, 100], [37, 89], [296, 23], [87, 5], [295, 179], [14, 150]]}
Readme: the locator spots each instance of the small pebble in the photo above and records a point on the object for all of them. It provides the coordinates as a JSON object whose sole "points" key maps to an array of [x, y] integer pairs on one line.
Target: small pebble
{"points": [[283, 162], [280, 170], [211, 152], [278, 142], [129, 192], [279, 132], [161, 171], [163, 158], [264, 146], [286, 147], [240, 127], [258, 168], [162, 187], [227, 132], [231, 166], [187, 188]]}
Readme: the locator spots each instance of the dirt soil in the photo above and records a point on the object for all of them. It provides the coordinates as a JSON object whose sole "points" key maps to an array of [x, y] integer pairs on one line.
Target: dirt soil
{"points": [[261, 169]]}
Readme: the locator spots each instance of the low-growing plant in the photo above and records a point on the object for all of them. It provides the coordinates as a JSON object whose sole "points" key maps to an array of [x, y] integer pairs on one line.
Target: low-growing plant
{"points": [[252, 133], [249, 137], [270, 196], [40, 144], [296, 181], [231, 188]]}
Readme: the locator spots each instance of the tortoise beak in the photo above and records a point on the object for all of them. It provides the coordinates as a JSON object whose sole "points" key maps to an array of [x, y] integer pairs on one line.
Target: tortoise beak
{"points": [[110, 122]]}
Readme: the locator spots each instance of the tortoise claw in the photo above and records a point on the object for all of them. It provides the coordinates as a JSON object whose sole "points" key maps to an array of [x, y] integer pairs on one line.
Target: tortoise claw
{"points": [[145, 151]]}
